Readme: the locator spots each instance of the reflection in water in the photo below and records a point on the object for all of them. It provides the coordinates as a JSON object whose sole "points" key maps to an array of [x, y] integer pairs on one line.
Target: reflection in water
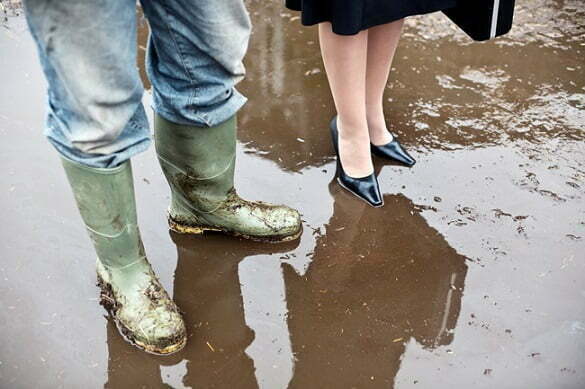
{"points": [[207, 289], [128, 368], [444, 92], [456, 95], [289, 99], [379, 277]]}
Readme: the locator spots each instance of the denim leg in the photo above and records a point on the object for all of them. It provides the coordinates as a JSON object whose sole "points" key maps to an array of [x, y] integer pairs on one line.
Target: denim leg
{"points": [[87, 49], [195, 58]]}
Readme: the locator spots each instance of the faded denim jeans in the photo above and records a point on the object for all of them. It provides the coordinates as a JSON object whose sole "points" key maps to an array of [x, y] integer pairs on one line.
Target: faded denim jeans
{"points": [[87, 49]]}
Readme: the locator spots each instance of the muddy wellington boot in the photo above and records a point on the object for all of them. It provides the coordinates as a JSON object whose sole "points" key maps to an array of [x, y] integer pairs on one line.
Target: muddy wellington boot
{"points": [[142, 310], [199, 165]]}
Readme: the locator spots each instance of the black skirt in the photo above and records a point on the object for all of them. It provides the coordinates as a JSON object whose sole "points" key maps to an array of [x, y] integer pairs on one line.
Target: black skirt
{"points": [[349, 17]]}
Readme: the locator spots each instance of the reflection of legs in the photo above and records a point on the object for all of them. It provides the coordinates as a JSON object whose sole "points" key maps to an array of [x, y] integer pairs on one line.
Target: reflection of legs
{"points": [[208, 284], [128, 369], [382, 43], [404, 293], [345, 62], [96, 121]]}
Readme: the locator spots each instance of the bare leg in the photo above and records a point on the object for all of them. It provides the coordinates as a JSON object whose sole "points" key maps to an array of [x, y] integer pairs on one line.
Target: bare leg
{"points": [[345, 59], [382, 43]]}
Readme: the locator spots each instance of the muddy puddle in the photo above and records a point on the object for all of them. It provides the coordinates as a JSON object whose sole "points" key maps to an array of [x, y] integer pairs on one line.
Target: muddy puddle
{"points": [[472, 275]]}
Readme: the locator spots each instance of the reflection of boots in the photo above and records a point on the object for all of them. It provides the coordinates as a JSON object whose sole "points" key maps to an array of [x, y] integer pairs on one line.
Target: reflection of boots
{"points": [[208, 285], [129, 369], [130, 291], [199, 166]]}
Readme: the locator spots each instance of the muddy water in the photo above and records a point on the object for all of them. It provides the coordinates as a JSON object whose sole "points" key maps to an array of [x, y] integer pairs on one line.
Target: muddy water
{"points": [[471, 275]]}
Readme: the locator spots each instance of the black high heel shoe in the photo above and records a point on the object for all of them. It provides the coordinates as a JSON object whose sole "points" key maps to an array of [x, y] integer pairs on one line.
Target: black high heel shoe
{"points": [[365, 188], [394, 151]]}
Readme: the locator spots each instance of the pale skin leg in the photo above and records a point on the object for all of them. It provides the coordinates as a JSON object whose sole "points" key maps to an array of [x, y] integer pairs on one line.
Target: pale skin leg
{"points": [[382, 43], [345, 60]]}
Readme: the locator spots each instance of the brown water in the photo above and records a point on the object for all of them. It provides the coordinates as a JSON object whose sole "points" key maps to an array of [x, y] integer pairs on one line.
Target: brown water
{"points": [[472, 275]]}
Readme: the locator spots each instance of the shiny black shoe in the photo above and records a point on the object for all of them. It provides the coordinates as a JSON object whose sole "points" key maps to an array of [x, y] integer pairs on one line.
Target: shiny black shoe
{"points": [[393, 151], [365, 188]]}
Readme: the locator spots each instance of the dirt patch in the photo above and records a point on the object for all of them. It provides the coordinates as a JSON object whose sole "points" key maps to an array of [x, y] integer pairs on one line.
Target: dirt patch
{"points": [[107, 298]]}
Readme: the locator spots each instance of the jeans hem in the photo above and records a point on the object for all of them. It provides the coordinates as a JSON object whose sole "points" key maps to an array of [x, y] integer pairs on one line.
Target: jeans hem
{"points": [[99, 161], [218, 116]]}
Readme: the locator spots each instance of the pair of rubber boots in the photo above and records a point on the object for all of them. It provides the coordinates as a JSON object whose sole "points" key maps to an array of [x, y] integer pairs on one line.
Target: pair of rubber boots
{"points": [[199, 166]]}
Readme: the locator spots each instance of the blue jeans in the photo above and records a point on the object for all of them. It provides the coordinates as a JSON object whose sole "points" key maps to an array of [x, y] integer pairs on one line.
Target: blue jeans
{"points": [[87, 49]]}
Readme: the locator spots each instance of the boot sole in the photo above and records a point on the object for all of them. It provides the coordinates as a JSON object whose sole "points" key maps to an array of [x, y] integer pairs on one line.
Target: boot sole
{"points": [[107, 300], [198, 230]]}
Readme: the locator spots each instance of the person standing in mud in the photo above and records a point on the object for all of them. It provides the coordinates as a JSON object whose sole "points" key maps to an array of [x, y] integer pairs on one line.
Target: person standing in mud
{"points": [[358, 40], [97, 123]]}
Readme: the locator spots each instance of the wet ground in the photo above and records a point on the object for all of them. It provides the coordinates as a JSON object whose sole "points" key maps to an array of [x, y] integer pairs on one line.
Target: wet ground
{"points": [[472, 275]]}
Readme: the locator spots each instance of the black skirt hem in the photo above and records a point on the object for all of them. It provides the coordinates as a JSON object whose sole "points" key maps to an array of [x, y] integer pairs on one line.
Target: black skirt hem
{"points": [[371, 22]]}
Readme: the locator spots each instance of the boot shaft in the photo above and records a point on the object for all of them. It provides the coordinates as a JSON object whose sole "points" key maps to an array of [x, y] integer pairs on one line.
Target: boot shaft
{"points": [[198, 162], [199, 166], [105, 198]]}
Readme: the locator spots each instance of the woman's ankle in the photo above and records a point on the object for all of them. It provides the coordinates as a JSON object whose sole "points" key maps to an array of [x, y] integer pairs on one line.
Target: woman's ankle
{"points": [[354, 150], [379, 134], [380, 137]]}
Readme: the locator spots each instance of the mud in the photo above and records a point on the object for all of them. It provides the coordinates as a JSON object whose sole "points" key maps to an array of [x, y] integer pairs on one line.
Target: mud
{"points": [[107, 298], [158, 299], [471, 275]]}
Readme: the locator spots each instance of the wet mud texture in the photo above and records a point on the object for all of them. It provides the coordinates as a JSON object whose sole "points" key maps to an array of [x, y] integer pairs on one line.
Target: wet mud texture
{"points": [[471, 275], [158, 298]]}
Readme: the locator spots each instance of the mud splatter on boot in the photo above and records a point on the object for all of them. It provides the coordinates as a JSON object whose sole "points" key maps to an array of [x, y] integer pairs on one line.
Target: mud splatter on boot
{"points": [[199, 165], [129, 290]]}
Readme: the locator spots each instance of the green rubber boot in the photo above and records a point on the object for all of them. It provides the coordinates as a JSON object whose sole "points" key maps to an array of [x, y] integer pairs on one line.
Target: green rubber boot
{"points": [[199, 166], [130, 291]]}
